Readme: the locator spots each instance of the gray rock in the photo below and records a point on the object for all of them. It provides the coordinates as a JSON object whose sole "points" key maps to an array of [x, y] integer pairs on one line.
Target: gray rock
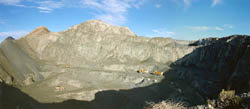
{"points": [[87, 59], [97, 42], [204, 42], [23, 66], [97, 63], [221, 65]]}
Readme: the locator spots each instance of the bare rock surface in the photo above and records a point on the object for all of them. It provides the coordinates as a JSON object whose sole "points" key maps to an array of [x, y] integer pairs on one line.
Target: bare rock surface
{"points": [[94, 65], [24, 69], [90, 58], [224, 64]]}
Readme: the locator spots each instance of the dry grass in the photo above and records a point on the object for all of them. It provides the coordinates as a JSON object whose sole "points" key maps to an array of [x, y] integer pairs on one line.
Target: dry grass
{"points": [[165, 105], [228, 99]]}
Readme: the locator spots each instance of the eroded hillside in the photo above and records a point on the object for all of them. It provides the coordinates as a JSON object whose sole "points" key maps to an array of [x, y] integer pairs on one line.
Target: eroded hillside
{"points": [[95, 65]]}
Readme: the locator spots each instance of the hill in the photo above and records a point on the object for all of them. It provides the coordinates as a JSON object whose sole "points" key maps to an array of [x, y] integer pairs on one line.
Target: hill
{"points": [[97, 65]]}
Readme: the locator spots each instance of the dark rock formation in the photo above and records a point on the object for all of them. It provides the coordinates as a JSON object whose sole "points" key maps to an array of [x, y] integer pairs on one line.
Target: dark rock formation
{"points": [[204, 42], [224, 64]]}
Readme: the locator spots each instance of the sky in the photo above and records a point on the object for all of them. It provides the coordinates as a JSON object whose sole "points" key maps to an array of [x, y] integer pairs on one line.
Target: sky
{"points": [[179, 19]]}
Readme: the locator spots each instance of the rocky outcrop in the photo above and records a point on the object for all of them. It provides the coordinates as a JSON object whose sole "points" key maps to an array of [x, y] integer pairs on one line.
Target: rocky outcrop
{"points": [[86, 59], [224, 64], [111, 47], [204, 42], [19, 66], [98, 63]]}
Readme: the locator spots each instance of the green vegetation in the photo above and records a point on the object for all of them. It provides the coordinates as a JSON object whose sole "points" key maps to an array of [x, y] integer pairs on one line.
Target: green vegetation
{"points": [[228, 99]]}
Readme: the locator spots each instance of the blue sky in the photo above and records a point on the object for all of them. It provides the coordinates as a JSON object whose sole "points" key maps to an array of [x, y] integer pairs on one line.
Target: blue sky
{"points": [[179, 19]]}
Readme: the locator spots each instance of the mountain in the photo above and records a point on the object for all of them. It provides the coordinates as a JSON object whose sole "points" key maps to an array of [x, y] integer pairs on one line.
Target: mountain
{"points": [[221, 63], [96, 65]]}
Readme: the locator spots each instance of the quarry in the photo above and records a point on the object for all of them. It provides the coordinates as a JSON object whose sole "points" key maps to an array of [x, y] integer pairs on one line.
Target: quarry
{"points": [[95, 65]]}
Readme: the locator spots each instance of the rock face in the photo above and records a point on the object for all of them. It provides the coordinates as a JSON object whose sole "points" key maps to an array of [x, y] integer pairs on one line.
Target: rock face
{"points": [[86, 59], [97, 63], [97, 42], [23, 68], [222, 64], [204, 42], [113, 48]]}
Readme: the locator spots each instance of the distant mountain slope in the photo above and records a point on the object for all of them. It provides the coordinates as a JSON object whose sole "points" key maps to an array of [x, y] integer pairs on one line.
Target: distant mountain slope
{"points": [[84, 57], [107, 66], [98, 42]]}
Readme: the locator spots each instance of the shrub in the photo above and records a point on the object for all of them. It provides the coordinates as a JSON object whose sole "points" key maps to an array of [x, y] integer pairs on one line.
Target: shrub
{"points": [[228, 99], [165, 105]]}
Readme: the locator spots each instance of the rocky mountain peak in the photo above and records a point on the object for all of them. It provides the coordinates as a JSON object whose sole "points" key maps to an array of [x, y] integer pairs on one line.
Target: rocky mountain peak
{"points": [[10, 38], [100, 26], [39, 31]]}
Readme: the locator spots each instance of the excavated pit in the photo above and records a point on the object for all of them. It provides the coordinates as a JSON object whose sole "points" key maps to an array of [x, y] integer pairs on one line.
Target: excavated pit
{"points": [[94, 65]]}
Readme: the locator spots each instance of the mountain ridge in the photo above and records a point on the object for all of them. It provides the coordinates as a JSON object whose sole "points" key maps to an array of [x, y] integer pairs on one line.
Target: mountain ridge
{"points": [[101, 64]]}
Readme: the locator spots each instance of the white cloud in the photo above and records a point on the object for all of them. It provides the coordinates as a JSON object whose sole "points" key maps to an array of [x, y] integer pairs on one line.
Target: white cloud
{"points": [[44, 5], [187, 3], [228, 26], [138, 3], [206, 28], [48, 6], [183, 3], [44, 8], [199, 28], [158, 6], [12, 2], [215, 2], [112, 19], [111, 11], [51, 4], [15, 34], [44, 11], [162, 32], [219, 29]]}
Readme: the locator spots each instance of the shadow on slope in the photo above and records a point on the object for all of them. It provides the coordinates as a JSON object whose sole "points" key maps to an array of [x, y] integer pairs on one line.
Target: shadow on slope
{"points": [[206, 70], [218, 64], [13, 98], [136, 98], [174, 86]]}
